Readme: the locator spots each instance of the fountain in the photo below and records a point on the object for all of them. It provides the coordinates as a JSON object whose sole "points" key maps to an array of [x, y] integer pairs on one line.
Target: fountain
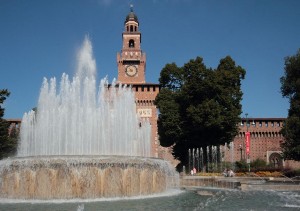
{"points": [[84, 144]]}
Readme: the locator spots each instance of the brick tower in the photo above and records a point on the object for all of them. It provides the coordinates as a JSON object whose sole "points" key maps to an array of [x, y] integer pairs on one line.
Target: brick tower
{"points": [[131, 70]]}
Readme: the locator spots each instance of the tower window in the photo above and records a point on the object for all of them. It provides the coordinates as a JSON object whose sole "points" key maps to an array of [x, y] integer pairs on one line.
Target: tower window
{"points": [[127, 28], [131, 28], [131, 43], [135, 28]]}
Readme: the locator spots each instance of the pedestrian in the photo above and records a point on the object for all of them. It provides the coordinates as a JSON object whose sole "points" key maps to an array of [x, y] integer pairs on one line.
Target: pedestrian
{"points": [[225, 173], [230, 173]]}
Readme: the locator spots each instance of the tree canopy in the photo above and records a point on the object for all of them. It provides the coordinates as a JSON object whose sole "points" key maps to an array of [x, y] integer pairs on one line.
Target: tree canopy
{"points": [[199, 106], [290, 88], [8, 144], [4, 93]]}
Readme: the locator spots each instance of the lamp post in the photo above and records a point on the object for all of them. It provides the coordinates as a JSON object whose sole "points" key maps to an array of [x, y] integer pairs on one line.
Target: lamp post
{"points": [[248, 150]]}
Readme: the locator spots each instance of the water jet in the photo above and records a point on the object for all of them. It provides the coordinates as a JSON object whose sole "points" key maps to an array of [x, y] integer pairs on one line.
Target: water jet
{"points": [[83, 143]]}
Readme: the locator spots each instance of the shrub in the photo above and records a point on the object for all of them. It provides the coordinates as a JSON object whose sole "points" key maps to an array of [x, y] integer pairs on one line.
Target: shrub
{"points": [[258, 163], [291, 172], [241, 166]]}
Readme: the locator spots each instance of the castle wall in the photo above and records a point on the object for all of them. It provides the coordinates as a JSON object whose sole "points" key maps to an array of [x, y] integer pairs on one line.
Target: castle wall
{"points": [[265, 140], [145, 95]]}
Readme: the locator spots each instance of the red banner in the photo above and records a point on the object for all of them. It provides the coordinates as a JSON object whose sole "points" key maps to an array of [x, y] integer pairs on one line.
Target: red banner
{"points": [[247, 143]]}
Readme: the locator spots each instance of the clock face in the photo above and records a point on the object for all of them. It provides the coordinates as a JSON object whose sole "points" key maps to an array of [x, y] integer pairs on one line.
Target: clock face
{"points": [[131, 70]]}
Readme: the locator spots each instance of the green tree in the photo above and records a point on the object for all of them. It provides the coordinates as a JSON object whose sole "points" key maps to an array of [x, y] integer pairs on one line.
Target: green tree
{"points": [[199, 106], [290, 88], [4, 93], [8, 144], [169, 121]]}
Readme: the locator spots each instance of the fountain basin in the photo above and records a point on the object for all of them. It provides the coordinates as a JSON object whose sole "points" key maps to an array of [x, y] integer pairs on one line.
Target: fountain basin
{"points": [[69, 177]]}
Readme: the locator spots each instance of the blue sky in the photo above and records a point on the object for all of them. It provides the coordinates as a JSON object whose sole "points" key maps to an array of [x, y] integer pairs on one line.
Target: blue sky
{"points": [[40, 38]]}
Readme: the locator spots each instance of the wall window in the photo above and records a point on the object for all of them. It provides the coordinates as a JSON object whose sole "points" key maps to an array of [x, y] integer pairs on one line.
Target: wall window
{"points": [[131, 43]]}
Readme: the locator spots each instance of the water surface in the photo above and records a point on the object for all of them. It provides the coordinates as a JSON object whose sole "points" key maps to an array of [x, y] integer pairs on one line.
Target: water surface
{"points": [[180, 200]]}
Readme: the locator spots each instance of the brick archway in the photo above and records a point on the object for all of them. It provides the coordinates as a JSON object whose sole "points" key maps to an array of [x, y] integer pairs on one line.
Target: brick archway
{"points": [[276, 160]]}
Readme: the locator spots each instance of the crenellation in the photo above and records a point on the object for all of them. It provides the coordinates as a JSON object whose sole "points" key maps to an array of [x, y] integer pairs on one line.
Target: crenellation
{"points": [[265, 140]]}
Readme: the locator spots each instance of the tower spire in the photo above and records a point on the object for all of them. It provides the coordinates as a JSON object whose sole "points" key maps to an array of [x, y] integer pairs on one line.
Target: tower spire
{"points": [[131, 7], [131, 16]]}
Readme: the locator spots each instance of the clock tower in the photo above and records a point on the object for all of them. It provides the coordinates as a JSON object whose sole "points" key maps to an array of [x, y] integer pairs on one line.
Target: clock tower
{"points": [[131, 60]]}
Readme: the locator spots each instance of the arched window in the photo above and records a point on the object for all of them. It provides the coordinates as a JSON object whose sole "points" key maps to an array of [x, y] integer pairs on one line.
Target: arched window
{"points": [[131, 43]]}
